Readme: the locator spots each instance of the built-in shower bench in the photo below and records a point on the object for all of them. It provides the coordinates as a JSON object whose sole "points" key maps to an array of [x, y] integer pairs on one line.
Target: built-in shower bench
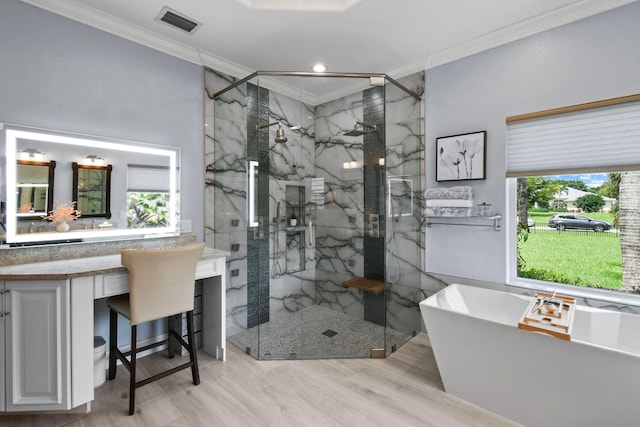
{"points": [[367, 285]]}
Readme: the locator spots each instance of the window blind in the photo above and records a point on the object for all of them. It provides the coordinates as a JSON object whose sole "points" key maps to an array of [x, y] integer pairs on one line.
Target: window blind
{"points": [[603, 139], [147, 179]]}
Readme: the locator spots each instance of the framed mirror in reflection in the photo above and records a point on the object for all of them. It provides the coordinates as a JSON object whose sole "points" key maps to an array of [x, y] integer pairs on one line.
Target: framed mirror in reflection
{"points": [[34, 188], [92, 190], [111, 205]]}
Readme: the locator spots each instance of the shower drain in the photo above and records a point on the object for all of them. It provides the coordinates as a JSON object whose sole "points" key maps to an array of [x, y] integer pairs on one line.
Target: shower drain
{"points": [[330, 333]]}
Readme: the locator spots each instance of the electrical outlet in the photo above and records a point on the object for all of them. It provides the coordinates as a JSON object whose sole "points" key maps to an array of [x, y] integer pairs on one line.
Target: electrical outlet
{"points": [[185, 226]]}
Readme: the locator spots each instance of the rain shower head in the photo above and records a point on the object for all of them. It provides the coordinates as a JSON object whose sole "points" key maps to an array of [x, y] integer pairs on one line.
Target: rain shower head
{"points": [[359, 132], [280, 136]]}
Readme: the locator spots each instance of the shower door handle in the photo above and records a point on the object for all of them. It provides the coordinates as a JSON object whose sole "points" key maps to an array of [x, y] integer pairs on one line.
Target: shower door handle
{"points": [[253, 193]]}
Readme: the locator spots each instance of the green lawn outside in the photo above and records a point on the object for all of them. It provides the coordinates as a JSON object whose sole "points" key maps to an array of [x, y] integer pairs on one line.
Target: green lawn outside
{"points": [[583, 258]]}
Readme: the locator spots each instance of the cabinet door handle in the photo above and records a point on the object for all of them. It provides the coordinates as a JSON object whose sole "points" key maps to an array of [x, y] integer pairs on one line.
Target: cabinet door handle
{"points": [[6, 313]]}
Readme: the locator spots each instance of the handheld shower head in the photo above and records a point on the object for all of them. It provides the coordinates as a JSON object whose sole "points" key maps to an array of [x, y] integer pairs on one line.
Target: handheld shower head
{"points": [[359, 132], [354, 132]]}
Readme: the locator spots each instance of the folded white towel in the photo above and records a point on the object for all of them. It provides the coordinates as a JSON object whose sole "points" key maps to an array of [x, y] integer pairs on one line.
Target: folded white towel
{"points": [[446, 211], [449, 203], [460, 192]]}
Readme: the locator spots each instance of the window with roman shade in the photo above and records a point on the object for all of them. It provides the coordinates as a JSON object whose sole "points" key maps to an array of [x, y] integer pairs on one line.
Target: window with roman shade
{"points": [[148, 179], [599, 136]]}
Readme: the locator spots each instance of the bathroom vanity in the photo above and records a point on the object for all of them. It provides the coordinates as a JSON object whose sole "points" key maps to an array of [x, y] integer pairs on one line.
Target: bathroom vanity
{"points": [[47, 326]]}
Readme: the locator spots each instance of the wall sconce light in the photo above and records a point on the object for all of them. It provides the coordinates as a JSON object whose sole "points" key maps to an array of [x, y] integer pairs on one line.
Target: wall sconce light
{"points": [[30, 154], [350, 165], [92, 160], [381, 161]]}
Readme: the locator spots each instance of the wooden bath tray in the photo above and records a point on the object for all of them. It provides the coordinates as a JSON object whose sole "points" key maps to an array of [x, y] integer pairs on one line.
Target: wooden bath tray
{"points": [[367, 285], [557, 322]]}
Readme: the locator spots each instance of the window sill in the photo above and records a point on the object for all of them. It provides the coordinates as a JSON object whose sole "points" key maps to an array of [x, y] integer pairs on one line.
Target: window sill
{"points": [[611, 297]]}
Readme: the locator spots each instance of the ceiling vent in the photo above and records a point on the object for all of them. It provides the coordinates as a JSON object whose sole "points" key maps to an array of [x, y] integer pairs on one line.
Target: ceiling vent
{"points": [[178, 20]]}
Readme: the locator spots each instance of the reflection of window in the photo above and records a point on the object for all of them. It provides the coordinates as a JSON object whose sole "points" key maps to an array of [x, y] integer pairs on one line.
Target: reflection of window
{"points": [[575, 176], [147, 209], [147, 196]]}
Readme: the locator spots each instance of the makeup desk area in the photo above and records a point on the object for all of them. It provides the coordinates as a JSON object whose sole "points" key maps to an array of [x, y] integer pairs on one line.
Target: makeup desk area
{"points": [[47, 330]]}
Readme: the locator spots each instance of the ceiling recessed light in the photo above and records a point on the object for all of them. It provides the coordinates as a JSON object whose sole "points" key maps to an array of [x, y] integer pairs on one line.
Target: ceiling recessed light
{"points": [[319, 68]]}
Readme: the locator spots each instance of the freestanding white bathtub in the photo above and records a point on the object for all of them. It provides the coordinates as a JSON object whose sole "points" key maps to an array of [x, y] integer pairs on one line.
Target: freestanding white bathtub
{"points": [[529, 377]]}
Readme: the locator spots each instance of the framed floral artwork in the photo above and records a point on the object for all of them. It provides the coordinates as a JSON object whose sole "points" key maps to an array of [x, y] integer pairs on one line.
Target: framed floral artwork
{"points": [[461, 157]]}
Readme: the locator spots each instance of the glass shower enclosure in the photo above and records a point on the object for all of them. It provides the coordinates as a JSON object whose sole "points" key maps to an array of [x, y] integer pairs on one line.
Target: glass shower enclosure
{"points": [[318, 200]]}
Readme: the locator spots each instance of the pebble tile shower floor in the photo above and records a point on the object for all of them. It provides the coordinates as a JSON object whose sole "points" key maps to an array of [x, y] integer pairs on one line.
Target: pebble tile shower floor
{"points": [[316, 332]]}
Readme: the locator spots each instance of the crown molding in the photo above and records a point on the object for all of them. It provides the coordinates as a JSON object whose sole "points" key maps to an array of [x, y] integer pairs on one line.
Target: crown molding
{"points": [[553, 19], [223, 65]]}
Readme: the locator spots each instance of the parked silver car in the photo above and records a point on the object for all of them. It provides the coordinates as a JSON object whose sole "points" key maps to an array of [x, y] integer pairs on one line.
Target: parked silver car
{"points": [[580, 222]]}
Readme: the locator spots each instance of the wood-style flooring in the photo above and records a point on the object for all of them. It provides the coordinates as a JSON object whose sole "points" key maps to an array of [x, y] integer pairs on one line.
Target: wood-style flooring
{"points": [[401, 390]]}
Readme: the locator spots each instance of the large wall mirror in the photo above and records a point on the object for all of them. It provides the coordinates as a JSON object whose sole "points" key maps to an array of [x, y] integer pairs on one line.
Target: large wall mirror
{"points": [[107, 200]]}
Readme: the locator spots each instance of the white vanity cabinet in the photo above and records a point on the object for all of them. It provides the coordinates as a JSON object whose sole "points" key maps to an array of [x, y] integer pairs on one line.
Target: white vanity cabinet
{"points": [[47, 326], [35, 340]]}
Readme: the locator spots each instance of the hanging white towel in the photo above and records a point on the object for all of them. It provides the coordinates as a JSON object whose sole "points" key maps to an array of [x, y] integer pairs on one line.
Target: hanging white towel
{"points": [[449, 203]]}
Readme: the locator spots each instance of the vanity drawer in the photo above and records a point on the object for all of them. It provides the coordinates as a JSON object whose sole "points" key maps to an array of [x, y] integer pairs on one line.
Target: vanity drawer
{"points": [[209, 267], [107, 285]]}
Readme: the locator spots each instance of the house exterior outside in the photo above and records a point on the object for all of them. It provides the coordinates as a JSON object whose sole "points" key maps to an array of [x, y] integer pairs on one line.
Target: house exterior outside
{"points": [[570, 195]]}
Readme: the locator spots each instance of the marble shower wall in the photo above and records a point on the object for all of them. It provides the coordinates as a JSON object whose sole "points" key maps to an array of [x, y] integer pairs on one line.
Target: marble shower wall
{"points": [[291, 165], [225, 189], [258, 291], [339, 233]]}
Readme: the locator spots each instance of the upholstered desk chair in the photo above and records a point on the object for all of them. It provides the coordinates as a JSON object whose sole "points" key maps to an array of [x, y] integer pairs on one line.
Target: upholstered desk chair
{"points": [[161, 285]]}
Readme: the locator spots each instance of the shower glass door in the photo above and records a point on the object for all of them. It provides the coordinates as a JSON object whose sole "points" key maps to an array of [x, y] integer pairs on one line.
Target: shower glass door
{"points": [[326, 221]]}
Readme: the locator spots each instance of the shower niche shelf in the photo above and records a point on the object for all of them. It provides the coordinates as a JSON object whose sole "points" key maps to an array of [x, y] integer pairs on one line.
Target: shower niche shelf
{"points": [[295, 234], [294, 202]]}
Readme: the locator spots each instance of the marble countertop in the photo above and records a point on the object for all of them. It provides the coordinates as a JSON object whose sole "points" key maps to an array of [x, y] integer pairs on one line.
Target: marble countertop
{"points": [[70, 268]]}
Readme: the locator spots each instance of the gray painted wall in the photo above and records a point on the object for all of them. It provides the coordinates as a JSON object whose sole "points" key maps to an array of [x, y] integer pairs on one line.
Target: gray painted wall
{"points": [[59, 74], [592, 59]]}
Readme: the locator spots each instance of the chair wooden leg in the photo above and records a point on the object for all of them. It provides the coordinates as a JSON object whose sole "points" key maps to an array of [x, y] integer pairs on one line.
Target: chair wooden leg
{"points": [[132, 373], [193, 349], [171, 323], [113, 342]]}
